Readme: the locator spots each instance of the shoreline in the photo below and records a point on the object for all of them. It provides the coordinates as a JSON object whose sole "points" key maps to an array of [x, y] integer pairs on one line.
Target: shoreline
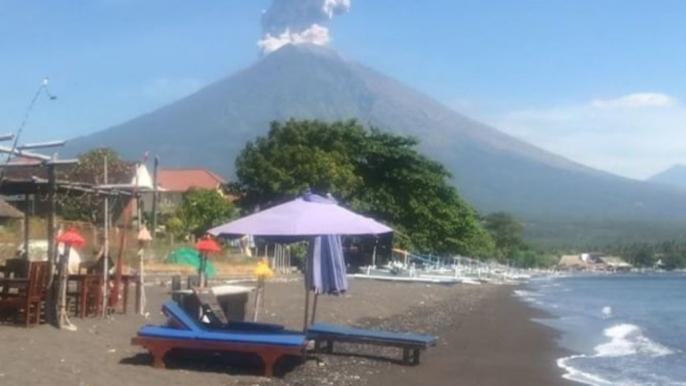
{"points": [[486, 337], [498, 342]]}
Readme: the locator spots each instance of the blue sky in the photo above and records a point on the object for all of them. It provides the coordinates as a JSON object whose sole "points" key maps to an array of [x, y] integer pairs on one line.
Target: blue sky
{"points": [[600, 82]]}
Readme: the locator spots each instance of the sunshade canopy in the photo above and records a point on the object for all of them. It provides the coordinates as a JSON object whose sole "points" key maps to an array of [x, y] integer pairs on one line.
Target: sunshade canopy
{"points": [[207, 245], [310, 215], [190, 256], [71, 237]]}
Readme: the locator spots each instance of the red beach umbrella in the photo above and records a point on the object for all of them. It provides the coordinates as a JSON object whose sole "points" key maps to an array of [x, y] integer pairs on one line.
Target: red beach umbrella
{"points": [[205, 246], [71, 238]]}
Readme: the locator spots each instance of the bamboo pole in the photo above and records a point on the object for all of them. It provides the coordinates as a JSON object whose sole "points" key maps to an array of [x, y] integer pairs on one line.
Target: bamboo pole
{"points": [[154, 197], [259, 294], [106, 247], [62, 317], [307, 306], [140, 294], [50, 301], [26, 226], [314, 307]]}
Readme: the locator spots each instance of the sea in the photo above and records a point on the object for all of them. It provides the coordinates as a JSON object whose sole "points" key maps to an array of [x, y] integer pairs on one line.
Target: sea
{"points": [[625, 330]]}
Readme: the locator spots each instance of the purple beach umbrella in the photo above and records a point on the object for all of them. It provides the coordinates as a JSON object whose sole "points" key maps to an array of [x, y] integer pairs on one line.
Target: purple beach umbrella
{"points": [[310, 215], [322, 220]]}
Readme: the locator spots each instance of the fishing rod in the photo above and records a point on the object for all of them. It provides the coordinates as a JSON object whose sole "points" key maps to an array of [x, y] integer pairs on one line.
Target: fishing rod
{"points": [[42, 89]]}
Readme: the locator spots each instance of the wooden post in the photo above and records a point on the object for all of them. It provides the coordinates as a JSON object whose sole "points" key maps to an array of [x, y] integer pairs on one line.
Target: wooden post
{"points": [[314, 307], [201, 271], [258, 298], [62, 317], [140, 294], [27, 229], [50, 301], [154, 197], [307, 306], [106, 248]]}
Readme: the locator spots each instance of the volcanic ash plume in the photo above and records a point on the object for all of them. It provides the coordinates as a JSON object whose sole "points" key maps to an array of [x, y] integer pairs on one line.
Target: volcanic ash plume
{"points": [[298, 22]]}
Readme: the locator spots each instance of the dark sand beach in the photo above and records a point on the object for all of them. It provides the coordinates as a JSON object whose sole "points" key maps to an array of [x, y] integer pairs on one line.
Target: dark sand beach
{"points": [[486, 338]]}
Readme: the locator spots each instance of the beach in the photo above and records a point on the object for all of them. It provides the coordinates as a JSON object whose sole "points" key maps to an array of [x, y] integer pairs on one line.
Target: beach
{"points": [[486, 337]]}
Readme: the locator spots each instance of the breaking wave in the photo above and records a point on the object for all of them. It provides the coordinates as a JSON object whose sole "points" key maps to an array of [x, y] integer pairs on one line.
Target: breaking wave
{"points": [[625, 340]]}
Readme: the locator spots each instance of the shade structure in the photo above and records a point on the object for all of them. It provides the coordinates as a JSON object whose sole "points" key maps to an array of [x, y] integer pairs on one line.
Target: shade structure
{"points": [[310, 215], [319, 219], [71, 238]]}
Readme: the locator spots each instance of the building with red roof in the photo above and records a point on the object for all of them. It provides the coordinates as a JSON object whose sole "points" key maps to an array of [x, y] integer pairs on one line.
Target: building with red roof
{"points": [[172, 183], [181, 180]]}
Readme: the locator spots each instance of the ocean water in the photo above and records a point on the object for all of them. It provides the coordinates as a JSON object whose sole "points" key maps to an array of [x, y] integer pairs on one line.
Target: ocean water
{"points": [[626, 330]]}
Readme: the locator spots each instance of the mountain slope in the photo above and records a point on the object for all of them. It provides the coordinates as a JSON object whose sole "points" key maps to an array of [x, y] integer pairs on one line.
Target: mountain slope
{"points": [[494, 171], [674, 176]]}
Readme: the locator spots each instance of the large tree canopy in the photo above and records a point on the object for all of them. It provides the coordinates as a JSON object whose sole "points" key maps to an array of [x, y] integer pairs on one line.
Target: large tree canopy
{"points": [[91, 170], [377, 173], [202, 209]]}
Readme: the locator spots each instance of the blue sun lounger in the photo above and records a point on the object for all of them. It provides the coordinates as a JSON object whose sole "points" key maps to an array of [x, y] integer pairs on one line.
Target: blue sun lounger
{"points": [[412, 344], [186, 333], [179, 318]]}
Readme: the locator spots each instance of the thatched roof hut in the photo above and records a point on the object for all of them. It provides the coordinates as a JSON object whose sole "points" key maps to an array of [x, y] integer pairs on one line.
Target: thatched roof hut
{"points": [[7, 211]]}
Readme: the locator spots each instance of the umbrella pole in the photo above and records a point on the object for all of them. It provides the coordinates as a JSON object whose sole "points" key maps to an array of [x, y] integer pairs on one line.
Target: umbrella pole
{"points": [[201, 274], [314, 307], [62, 318], [258, 298], [307, 308]]}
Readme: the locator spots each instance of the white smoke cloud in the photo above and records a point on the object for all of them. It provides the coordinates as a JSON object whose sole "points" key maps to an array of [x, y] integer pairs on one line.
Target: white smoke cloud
{"points": [[334, 7], [316, 34], [298, 22]]}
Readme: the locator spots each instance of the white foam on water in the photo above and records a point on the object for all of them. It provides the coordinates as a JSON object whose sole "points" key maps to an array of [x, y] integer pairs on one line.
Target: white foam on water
{"points": [[625, 340], [574, 374], [527, 296], [628, 339], [607, 312]]}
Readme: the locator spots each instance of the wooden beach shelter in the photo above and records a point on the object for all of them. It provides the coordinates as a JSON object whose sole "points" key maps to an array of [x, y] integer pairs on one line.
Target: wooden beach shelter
{"points": [[307, 218], [140, 182], [7, 211], [36, 182]]}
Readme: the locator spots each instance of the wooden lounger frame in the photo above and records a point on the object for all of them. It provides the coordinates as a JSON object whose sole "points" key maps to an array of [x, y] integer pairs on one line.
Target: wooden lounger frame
{"points": [[270, 354], [411, 351]]}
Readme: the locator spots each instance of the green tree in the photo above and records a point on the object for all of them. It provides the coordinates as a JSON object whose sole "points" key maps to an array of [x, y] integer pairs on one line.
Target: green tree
{"points": [[377, 173], [91, 170], [200, 210], [506, 232]]}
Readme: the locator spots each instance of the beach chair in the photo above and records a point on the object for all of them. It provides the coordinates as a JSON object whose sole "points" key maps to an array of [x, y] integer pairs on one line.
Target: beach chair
{"points": [[411, 344], [269, 342], [179, 318], [25, 294], [269, 347]]}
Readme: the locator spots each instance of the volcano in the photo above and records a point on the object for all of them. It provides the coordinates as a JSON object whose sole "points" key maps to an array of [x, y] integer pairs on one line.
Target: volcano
{"points": [[492, 170]]}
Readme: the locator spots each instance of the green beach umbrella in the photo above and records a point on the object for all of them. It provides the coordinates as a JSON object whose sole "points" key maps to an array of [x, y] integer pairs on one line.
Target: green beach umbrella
{"points": [[190, 256]]}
